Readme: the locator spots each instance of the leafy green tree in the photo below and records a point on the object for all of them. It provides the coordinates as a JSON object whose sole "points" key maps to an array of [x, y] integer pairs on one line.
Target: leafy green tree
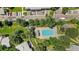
{"points": [[51, 13], [54, 41], [1, 47], [46, 43], [59, 44], [18, 40], [36, 22], [17, 37], [19, 20], [12, 47], [65, 10], [77, 22], [72, 32], [19, 32], [59, 48], [31, 22], [22, 22], [65, 41], [32, 34], [50, 21], [1, 24], [54, 8], [8, 23], [25, 13], [74, 21], [6, 10], [4, 48], [41, 47], [11, 8], [60, 22], [42, 22]]}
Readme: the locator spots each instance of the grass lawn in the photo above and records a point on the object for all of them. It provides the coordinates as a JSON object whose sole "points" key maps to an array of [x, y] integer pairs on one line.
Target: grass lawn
{"points": [[17, 9]]}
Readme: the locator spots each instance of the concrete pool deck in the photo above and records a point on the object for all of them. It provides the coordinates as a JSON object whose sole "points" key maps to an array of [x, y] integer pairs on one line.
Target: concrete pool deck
{"points": [[38, 32]]}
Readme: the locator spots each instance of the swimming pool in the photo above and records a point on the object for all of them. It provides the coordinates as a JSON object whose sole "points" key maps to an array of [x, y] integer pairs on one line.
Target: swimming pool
{"points": [[45, 32], [48, 32]]}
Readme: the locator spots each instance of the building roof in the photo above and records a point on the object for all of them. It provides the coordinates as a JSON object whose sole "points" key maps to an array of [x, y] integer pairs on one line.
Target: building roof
{"points": [[73, 48], [37, 8], [1, 10], [68, 26], [76, 11], [23, 47], [5, 41], [60, 16]]}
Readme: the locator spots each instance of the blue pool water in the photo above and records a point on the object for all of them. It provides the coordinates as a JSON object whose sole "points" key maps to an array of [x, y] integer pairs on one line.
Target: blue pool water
{"points": [[48, 32]]}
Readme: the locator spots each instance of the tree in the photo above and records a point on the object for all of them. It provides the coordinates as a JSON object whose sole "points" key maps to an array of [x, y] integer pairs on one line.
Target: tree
{"points": [[50, 22], [54, 41], [36, 22], [51, 13], [19, 32], [11, 8], [22, 22], [12, 47], [74, 21], [65, 41], [32, 34], [65, 10], [4, 48], [19, 20], [31, 22], [77, 22], [18, 40], [42, 22], [59, 48], [0, 47], [25, 13], [17, 37], [46, 43], [8, 23], [61, 22], [72, 32], [41, 47], [54, 8], [58, 44], [1, 24], [6, 10]]}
